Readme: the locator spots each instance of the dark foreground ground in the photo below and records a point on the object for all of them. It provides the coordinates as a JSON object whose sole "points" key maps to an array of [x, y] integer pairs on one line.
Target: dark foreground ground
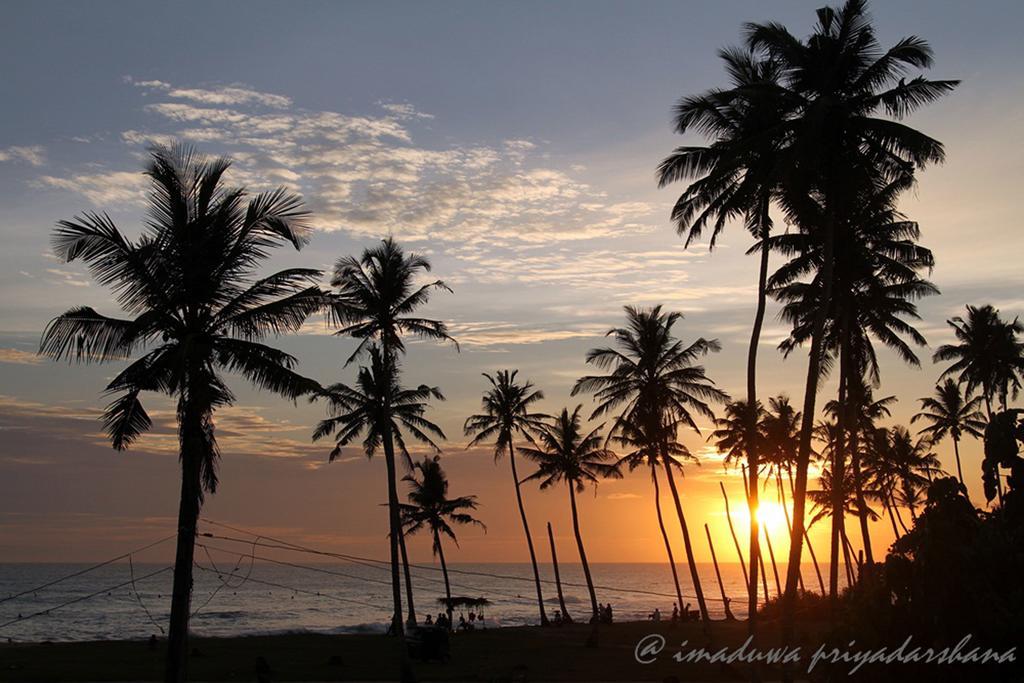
{"points": [[497, 654], [511, 654]]}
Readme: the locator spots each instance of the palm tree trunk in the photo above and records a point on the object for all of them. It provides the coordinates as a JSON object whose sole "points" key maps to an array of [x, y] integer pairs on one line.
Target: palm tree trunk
{"points": [[408, 579], [839, 464], [664, 535], [892, 517], [394, 536], [806, 431], [753, 456], [718, 575], [780, 491], [694, 576], [775, 568], [558, 577], [583, 555], [732, 531], [807, 538], [529, 538], [895, 508], [444, 572], [188, 515], [959, 471]]}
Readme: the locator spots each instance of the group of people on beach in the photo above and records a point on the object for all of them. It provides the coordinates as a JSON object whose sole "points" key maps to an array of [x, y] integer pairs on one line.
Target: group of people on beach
{"points": [[442, 621], [686, 615]]}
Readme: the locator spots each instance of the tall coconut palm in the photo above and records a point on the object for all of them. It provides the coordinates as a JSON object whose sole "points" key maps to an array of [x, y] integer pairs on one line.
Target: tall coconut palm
{"points": [[949, 412], [737, 176], [835, 83], [196, 310], [564, 453], [652, 380], [988, 355], [375, 299], [507, 413], [875, 282], [380, 409], [430, 508], [647, 443]]}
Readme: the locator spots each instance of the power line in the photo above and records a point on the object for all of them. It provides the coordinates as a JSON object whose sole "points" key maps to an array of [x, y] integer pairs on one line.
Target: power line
{"points": [[86, 570], [286, 545], [83, 597], [299, 590]]}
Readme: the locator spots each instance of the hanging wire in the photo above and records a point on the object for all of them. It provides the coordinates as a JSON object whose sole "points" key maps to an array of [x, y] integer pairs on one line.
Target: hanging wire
{"points": [[82, 598], [86, 570]]}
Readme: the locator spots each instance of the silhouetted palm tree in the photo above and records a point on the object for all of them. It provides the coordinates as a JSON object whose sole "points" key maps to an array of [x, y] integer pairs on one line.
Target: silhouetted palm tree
{"points": [[648, 442], [836, 83], [506, 413], [380, 409], [430, 508], [949, 412], [988, 355], [653, 380], [875, 281], [197, 310], [566, 454], [914, 464], [740, 170], [376, 298], [733, 437]]}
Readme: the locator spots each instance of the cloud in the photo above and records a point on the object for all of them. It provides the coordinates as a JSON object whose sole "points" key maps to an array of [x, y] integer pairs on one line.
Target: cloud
{"points": [[622, 496], [367, 175], [109, 188], [18, 357], [508, 334], [33, 155]]}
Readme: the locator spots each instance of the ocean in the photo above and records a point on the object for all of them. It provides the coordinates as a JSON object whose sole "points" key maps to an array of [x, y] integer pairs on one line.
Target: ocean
{"points": [[238, 597]]}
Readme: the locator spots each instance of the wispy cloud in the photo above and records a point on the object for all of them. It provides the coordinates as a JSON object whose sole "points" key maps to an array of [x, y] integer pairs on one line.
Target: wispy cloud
{"points": [[367, 174], [18, 357], [33, 155]]}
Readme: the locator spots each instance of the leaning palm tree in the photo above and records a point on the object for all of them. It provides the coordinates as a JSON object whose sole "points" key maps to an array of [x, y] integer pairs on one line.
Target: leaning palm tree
{"points": [[197, 310], [652, 379], [507, 413], [835, 84], [732, 438], [949, 412], [647, 443], [375, 299], [380, 408], [564, 453], [736, 176], [430, 508]]}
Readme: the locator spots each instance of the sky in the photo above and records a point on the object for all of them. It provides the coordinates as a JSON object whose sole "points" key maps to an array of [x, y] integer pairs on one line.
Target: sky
{"points": [[515, 145]]}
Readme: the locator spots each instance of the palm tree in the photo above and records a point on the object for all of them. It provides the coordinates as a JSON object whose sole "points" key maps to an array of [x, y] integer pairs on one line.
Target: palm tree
{"points": [[375, 298], [836, 83], [566, 454], [430, 508], [506, 413], [653, 380], [740, 179], [875, 282], [989, 355], [914, 464], [949, 412], [647, 449], [379, 408], [196, 311], [732, 438]]}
